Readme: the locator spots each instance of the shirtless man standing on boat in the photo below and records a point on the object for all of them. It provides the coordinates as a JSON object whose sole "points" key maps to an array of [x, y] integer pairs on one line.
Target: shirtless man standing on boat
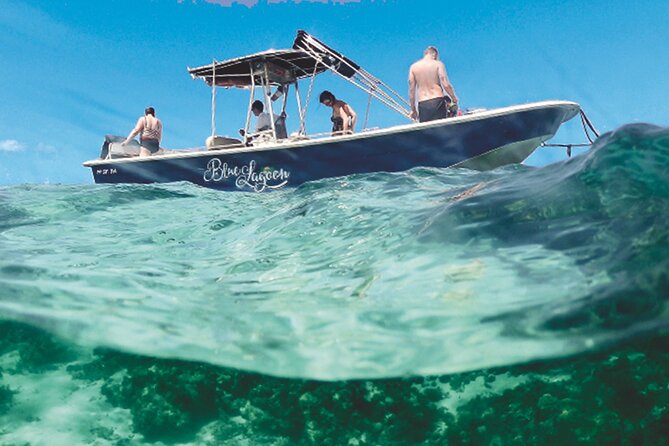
{"points": [[435, 92]]}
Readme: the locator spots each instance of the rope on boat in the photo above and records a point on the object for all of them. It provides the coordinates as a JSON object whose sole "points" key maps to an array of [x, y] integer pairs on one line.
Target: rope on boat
{"points": [[587, 124], [587, 128], [306, 102]]}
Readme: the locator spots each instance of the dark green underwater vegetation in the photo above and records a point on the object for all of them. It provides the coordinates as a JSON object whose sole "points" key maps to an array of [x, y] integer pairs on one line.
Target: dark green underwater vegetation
{"points": [[562, 271], [6, 395], [617, 397]]}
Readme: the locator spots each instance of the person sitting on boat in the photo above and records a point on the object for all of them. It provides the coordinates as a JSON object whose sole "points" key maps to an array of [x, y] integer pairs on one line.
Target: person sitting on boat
{"points": [[263, 123], [150, 130], [262, 117], [436, 96], [343, 116]]}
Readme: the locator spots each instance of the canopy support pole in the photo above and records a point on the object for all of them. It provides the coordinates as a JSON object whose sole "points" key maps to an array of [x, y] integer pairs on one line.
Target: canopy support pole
{"points": [[213, 100], [369, 104], [301, 131], [360, 78], [268, 100], [306, 103], [248, 110], [285, 98]]}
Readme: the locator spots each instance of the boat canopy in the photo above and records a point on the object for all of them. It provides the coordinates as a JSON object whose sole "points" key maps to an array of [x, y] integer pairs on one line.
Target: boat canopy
{"points": [[283, 67], [324, 54], [308, 57]]}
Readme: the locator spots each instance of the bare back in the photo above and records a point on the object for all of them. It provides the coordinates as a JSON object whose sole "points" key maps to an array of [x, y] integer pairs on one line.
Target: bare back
{"points": [[426, 74], [150, 127]]}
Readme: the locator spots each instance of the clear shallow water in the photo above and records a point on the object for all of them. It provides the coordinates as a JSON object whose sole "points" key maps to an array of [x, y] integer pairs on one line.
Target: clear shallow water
{"points": [[417, 282]]}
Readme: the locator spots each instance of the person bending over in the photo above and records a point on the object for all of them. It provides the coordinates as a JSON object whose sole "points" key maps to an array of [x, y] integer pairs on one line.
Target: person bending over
{"points": [[343, 116]]}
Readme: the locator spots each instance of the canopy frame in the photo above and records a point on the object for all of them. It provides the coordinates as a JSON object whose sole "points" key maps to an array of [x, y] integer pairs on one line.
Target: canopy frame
{"points": [[282, 68]]}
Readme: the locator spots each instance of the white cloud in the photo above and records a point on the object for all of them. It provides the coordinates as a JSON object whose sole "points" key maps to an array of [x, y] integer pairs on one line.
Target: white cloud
{"points": [[48, 148], [11, 145]]}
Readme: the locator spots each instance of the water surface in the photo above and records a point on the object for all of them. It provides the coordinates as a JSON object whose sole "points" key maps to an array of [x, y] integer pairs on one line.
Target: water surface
{"points": [[369, 309]]}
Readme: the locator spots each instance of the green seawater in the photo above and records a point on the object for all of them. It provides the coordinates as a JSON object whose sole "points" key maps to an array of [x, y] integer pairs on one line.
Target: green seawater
{"points": [[430, 307]]}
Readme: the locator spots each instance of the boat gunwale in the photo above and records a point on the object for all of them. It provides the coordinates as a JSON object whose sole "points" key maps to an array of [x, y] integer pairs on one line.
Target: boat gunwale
{"points": [[402, 128]]}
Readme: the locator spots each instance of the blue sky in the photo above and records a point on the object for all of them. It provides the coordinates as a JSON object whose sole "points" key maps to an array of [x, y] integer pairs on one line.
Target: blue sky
{"points": [[73, 71]]}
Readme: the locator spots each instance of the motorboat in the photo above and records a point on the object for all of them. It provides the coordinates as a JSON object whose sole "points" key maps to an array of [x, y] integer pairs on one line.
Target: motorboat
{"points": [[272, 159]]}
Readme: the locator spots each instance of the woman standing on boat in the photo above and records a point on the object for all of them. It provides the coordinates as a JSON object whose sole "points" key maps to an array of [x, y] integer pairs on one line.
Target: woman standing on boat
{"points": [[150, 130], [343, 116]]}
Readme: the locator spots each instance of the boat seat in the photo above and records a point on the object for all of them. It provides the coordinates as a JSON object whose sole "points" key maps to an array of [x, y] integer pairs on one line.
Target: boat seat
{"points": [[113, 148], [118, 150], [221, 142]]}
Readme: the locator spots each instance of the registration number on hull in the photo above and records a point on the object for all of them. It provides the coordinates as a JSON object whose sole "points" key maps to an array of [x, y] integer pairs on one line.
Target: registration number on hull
{"points": [[111, 171]]}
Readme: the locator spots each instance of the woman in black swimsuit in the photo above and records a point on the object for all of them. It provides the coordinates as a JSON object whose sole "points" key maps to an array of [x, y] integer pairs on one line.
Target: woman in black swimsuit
{"points": [[343, 116]]}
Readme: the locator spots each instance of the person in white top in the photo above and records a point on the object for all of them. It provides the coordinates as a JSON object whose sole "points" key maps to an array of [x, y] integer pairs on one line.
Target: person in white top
{"points": [[263, 122], [262, 117], [436, 96], [150, 131]]}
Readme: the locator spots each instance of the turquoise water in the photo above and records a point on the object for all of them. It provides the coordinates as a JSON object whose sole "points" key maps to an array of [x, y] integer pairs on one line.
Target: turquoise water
{"points": [[435, 306]]}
